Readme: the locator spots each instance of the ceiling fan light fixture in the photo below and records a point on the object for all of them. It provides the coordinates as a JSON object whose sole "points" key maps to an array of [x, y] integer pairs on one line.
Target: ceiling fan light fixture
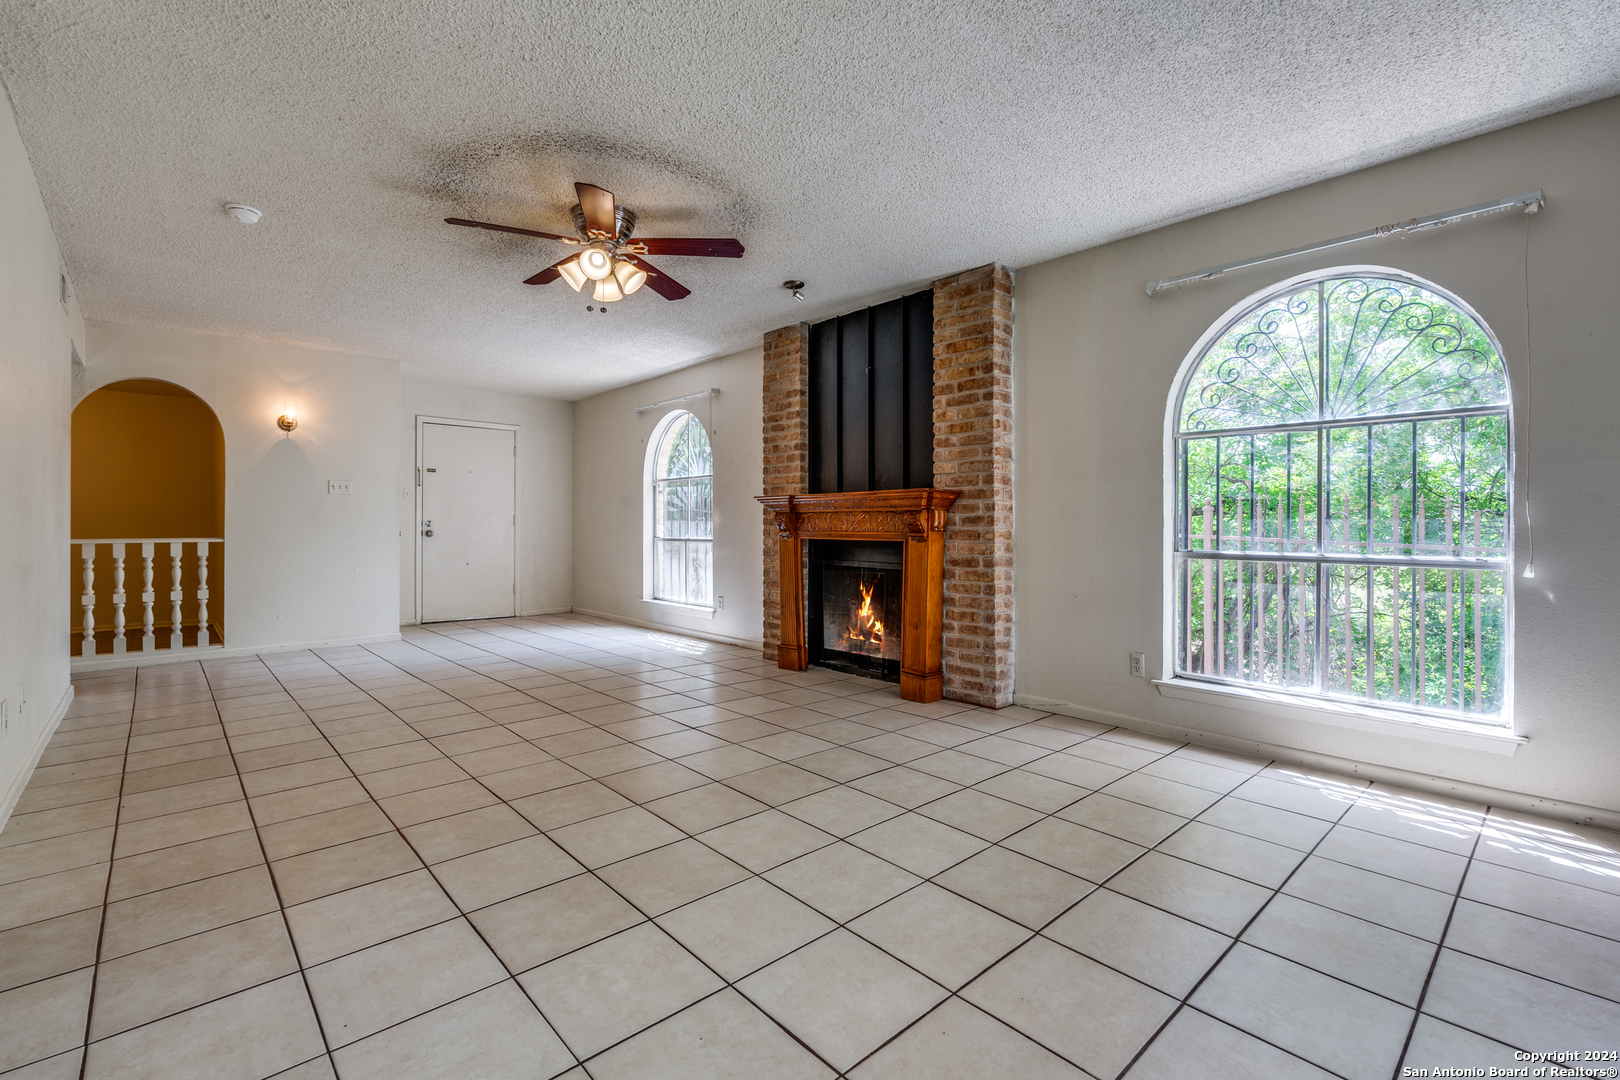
{"points": [[596, 262], [630, 276], [572, 274], [603, 229]]}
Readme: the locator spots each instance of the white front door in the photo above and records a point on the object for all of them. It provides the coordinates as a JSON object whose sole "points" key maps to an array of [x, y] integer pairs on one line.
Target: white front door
{"points": [[469, 524]]}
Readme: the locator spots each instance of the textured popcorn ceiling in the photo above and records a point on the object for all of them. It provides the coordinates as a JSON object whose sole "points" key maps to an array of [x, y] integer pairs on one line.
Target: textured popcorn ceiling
{"points": [[865, 147]]}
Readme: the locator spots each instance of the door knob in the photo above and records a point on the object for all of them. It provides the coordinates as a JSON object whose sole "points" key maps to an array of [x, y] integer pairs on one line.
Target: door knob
{"points": [[427, 532]]}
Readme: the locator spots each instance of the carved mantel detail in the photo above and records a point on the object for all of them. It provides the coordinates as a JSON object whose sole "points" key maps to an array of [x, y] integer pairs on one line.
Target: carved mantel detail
{"points": [[917, 515]]}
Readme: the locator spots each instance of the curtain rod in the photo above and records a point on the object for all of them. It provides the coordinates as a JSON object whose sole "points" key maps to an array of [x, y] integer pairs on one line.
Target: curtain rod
{"points": [[1532, 201], [713, 391]]}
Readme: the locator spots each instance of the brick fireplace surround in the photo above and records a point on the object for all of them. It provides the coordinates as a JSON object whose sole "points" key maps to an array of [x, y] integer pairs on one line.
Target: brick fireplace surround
{"points": [[973, 446]]}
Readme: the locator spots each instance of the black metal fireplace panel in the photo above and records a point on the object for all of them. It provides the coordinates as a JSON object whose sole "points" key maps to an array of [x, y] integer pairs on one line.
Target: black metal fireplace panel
{"points": [[871, 398], [854, 601]]}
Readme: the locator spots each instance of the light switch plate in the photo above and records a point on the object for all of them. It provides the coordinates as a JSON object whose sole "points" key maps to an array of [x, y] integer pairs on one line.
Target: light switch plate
{"points": [[338, 487]]}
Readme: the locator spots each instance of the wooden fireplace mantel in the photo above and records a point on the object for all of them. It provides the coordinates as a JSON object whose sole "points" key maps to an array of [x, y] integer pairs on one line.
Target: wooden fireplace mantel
{"points": [[914, 515]]}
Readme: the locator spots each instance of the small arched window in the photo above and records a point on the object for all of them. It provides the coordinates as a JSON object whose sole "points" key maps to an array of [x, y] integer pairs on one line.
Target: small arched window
{"points": [[683, 513], [1343, 499]]}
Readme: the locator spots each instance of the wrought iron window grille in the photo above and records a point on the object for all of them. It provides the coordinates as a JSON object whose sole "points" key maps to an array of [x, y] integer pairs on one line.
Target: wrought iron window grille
{"points": [[683, 514], [1343, 501]]}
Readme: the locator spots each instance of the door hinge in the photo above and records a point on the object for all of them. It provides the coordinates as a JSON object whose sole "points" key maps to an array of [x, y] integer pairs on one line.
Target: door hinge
{"points": [[419, 476]]}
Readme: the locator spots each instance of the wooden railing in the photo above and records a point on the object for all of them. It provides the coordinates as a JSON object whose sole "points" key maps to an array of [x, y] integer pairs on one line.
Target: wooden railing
{"points": [[144, 550], [1421, 622]]}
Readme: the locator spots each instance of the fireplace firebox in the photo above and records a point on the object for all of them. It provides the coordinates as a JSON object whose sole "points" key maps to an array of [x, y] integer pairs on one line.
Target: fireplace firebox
{"points": [[854, 606]]}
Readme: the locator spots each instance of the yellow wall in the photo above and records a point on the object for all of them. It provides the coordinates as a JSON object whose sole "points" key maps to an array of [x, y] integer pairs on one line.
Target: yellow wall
{"points": [[148, 460]]}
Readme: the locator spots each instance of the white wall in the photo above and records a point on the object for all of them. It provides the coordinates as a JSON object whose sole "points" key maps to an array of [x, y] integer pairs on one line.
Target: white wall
{"points": [[37, 336], [301, 566], [1094, 362], [610, 448], [545, 478]]}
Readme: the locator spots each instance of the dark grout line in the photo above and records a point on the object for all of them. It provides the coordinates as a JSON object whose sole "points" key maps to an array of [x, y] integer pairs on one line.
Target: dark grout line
{"points": [[1547, 922], [281, 906], [445, 672], [844, 924], [1040, 931], [101, 932], [649, 919], [1236, 939], [461, 912], [1439, 947]]}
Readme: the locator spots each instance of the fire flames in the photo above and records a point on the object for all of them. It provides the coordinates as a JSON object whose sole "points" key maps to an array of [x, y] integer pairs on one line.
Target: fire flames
{"points": [[865, 629]]}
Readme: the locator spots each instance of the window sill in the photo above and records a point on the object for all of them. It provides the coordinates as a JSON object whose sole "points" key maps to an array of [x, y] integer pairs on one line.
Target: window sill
{"points": [[694, 611], [1345, 715]]}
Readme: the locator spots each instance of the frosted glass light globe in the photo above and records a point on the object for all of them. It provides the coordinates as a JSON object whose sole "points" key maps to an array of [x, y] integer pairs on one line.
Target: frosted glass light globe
{"points": [[596, 263]]}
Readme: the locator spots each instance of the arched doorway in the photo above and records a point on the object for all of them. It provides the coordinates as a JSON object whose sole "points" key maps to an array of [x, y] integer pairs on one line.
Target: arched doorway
{"points": [[149, 485]]}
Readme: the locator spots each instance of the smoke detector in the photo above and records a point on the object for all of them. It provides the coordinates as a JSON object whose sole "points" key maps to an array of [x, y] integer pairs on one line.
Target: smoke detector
{"points": [[245, 215]]}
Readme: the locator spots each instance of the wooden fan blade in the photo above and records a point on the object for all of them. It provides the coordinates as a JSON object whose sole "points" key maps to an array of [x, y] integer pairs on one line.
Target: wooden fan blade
{"points": [[549, 274], [597, 206], [686, 245], [510, 229], [658, 281]]}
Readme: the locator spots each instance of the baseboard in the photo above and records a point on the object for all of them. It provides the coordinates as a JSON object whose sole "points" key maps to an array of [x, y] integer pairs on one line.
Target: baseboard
{"points": [[520, 615], [14, 790], [1576, 813], [218, 652], [706, 635]]}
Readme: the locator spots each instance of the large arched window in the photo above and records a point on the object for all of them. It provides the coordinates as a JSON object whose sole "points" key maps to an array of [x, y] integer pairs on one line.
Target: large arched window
{"points": [[683, 513], [1343, 500]]}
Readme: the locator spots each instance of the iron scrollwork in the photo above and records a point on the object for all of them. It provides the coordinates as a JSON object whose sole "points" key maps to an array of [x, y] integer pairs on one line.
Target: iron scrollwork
{"points": [[1389, 346]]}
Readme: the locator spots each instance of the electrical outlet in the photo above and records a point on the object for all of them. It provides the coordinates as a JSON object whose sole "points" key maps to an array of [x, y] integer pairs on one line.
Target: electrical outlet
{"points": [[719, 603], [339, 487], [1139, 665]]}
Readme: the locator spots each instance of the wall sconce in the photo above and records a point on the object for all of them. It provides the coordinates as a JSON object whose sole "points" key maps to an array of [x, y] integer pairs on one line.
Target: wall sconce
{"points": [[289, 419]]}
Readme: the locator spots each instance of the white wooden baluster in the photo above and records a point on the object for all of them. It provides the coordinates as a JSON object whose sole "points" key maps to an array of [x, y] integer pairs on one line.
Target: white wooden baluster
{"points": [[88, 599], [176, 634], [149, 639], [118, 599], [202, 594]]}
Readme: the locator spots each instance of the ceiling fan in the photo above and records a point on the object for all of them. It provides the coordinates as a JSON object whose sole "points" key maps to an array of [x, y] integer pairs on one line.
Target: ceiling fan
{"points": [[609, 258]]}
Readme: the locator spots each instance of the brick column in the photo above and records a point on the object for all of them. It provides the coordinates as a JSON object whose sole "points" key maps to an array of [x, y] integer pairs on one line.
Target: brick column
{"points": [[787, 450], [973, 452]]}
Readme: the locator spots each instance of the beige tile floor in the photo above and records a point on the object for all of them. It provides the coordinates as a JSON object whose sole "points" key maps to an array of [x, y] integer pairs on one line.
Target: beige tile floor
{"points": [[558, 846]]}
